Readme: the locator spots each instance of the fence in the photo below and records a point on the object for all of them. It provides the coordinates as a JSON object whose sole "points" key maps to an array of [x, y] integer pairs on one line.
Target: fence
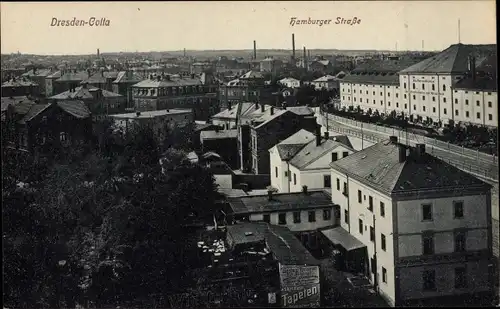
{"points": [[417, 138], [488, 173]]}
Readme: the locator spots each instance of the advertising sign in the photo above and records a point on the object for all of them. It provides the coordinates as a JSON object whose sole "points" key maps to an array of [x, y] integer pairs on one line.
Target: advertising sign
{"points": [[300, 287]]}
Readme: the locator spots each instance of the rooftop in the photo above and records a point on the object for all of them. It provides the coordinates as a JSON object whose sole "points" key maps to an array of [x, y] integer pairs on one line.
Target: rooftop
{"points": [[375, 78], [232, 112], [19, 82], [152, 114], [221, 134], [326, 78], [454, 59], [22, 104], [38, 72], [83, 92], [311, 152], [252, 75], [378, 166], [486, 77], [280, 202], [285, 247], [168, 81]]}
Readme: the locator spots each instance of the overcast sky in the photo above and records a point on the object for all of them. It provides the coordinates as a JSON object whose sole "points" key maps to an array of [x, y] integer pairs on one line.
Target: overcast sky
{"points": [[158, 26]]}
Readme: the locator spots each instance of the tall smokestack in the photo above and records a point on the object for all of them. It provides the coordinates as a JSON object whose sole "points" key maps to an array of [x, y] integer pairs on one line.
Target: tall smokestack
{"points": [[254, 50], [305, 58], [98, 53], [293, 46], [184, 52]]}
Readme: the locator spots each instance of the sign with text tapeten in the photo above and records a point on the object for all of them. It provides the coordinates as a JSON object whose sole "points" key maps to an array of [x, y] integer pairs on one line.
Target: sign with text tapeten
{"points": [[300, 287]]}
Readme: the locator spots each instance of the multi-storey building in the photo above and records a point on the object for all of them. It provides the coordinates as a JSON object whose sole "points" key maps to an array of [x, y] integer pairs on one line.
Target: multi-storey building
{"points": [[20, 87], [266, 126], [270, 65], [166, 92], [250, 87], [227, 119], [290, 82], [102, 79], [304, 159], [426, 225], [100, 102], [423, 92], [123, 85], [38, 76]]}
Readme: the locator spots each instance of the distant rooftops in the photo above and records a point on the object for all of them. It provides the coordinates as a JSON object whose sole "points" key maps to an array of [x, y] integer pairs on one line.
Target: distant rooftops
{"points": [[151, 114]]}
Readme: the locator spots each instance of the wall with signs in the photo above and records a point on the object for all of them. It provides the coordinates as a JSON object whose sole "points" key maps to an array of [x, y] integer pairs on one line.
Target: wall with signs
{"points": [[300, 286]]}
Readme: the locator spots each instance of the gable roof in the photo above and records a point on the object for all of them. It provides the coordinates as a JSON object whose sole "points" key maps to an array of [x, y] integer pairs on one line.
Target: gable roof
{"points": [[123, 77], [76, 108], [172, 82], [326, 78], [378, 166], [39, 72], [486, 77], [454, 59], [252, 75], [83, 92], [21, 104], [232, 112], [73, 76], [301, 110], [310, 152], [33, 111]]}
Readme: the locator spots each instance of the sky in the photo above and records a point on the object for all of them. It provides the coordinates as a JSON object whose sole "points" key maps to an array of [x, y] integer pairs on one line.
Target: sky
{"points": [[168, 26]]}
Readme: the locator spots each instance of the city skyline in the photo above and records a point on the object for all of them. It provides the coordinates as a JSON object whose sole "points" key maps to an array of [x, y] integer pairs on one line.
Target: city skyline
{"points": [[162, 27]]}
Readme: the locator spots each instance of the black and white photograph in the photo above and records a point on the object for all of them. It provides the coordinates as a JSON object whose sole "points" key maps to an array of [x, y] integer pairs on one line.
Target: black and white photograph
{"points": [[249, 154]]}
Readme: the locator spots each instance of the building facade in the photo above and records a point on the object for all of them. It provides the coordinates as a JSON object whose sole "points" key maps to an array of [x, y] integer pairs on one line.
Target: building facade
{"points": [[426, 225]]}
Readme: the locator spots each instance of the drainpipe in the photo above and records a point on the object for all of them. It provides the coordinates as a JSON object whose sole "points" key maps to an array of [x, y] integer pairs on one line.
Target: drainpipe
{"points": [[439, 101], [375, 274], [348, 206], [289, 177]]}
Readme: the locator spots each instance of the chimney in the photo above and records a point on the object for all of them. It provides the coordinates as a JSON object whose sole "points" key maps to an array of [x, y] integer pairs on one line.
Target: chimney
{"points": [[318, 135], [293, 46], [473, 67], [304, 190], [262, 107], [98, 53], [305, 58], [269, 195], [254, 50], [393, 139], [327, 135], [402, 153], [272, 110], [138, 113]]}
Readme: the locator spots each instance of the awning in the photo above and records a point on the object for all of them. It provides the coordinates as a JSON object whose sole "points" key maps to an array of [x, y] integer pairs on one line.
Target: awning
{"points": [[340, 236]]}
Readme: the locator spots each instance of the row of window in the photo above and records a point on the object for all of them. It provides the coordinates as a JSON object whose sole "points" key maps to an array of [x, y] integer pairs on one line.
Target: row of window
{"points": [[428, 246], [370, 203], [458, 211], [423, 86], [327, 215], [429, 279]]}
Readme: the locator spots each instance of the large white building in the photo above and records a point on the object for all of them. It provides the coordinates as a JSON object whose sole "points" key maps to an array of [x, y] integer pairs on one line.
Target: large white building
{"points": [[425, 91], [426, 225], [304, 159]]}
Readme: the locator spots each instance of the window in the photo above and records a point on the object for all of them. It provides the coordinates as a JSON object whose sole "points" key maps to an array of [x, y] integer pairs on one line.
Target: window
{"points": [[282, 218], [456, 101], [360, 200], [373, 101], [433, 99], [406, 106], [338, 184], [478, 115], [327, 214], [267, 218], [444, 87], [433, 109], [444, 100], [477, 103], [381, 102], [489, 104], [413, 85], [286, 173], [345, 154], [460, 278], [414, 97], [466, 102], [423, 86], [404, 85], [374, 93], [423, 108], [423, 98], [384, 275], [458, 209], [372, 233], [405, 96], [397, 95], [460, 242], [312, 216], [428, 244], [360, 223], [296, 217], [370, 203], [388, 94], [397, 104], [346, 216], [490, 117], [335, 156], [276, 170], [383, 244], [381, 93], [429, 280], [345, 190], [467, 114], [414, 107], [62, 136], [294, 178], [427, 212], [433, 88], [327, 181]]}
